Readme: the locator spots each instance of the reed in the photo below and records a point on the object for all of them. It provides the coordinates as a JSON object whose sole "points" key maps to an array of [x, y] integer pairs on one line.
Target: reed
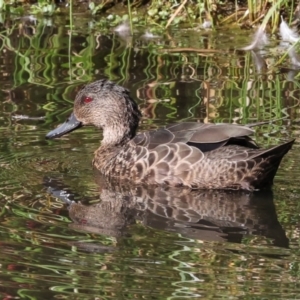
{"points": [[130, 16], [169, 13]]}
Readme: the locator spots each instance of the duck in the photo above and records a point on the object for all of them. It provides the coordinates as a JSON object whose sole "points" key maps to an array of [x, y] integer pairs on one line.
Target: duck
{"points": [[187, 154]]}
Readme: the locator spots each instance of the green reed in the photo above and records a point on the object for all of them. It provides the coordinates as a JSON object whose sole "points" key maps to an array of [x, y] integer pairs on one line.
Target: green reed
{"points": [[169, 13]]}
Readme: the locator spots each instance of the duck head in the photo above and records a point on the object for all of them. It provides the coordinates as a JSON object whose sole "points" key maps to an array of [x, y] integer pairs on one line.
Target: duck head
{"points": [[107, 106]]}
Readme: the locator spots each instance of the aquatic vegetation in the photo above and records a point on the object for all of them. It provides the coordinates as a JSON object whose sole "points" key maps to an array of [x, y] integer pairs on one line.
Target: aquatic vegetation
{"points": [[183, 74], [289, 39], [165, 13]]}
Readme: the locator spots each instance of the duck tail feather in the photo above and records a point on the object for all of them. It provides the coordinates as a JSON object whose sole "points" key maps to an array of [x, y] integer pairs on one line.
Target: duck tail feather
{"points": [[272, 158]]}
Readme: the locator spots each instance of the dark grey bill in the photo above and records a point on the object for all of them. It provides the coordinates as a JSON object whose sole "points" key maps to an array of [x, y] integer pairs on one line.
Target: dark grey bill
{"points": [[71, 124]]}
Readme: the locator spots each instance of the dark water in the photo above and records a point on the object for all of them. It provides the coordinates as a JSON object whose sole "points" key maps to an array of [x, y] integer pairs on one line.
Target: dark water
{"points": [[129, 243]]}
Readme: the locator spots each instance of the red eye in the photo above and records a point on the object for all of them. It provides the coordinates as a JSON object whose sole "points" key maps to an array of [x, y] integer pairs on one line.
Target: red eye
{"points": [[87, 99]]}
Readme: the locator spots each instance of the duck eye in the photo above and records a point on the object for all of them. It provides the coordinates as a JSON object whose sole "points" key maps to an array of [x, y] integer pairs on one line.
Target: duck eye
{"points": [[87, 99]]}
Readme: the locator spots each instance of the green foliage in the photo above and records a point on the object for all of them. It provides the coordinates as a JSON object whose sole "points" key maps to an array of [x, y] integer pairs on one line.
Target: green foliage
{"points": [[165, 13], [176, 75], [95, 8], [9, 6], [45, 7], [2, 5]]}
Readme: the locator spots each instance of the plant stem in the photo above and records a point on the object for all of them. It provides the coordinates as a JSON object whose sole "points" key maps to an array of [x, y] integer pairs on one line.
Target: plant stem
{"points": [[130, 16], [176, 13], [70, 38]]}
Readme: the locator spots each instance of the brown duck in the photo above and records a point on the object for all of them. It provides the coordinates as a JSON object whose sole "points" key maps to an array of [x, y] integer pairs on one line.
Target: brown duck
{"points": [[196, 155]]}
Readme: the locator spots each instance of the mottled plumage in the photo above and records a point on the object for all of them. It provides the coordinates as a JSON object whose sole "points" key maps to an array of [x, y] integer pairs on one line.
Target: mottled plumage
{"points": [[198, 214], [200, 156]]}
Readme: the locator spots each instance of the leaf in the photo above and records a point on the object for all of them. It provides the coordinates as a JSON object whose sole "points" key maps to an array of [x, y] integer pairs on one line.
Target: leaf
{"points": [[92, 6], [2, 5]]}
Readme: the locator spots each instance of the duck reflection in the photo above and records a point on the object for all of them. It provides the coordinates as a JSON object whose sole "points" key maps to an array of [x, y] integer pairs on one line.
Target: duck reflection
{"points": [[203, 214]]}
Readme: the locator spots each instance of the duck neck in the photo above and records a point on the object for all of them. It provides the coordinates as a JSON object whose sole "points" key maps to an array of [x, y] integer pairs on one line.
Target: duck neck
{"points": [[117, 136], [121, 128], [113, 142]]}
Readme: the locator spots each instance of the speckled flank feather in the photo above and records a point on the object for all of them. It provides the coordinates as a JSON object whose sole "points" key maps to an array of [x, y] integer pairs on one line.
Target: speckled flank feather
{"points": [[178, 164], [200, 156]]}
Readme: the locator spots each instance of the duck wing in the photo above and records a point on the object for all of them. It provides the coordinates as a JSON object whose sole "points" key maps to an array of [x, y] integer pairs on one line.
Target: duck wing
{"points": [[205, 137], [236, 153], [174, 156]]}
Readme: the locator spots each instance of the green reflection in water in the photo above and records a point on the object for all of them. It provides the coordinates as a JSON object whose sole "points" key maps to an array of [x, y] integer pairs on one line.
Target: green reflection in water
{"points": [[159, 254]]}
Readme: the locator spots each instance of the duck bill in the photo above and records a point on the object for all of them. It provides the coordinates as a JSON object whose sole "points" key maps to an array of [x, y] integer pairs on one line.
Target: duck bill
{"points": [[71, 124]]}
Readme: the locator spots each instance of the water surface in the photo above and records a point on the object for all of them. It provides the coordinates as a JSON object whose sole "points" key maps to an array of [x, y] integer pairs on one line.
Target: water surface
{"points": [[68, 234]]}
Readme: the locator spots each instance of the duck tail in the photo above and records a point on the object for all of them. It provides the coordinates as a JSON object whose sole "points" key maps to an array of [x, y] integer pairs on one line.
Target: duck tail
{"points": [[271, 161]]}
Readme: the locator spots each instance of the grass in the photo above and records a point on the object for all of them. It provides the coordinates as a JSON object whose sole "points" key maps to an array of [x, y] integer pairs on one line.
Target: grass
{"points": [[166, 13]]}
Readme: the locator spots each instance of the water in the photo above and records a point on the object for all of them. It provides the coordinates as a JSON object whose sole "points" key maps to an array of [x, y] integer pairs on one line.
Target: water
{"points": [[68, 234]]}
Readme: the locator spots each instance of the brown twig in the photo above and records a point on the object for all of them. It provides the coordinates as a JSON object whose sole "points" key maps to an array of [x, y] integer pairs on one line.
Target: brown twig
{"points": [[176, 13], [190, 50]]}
